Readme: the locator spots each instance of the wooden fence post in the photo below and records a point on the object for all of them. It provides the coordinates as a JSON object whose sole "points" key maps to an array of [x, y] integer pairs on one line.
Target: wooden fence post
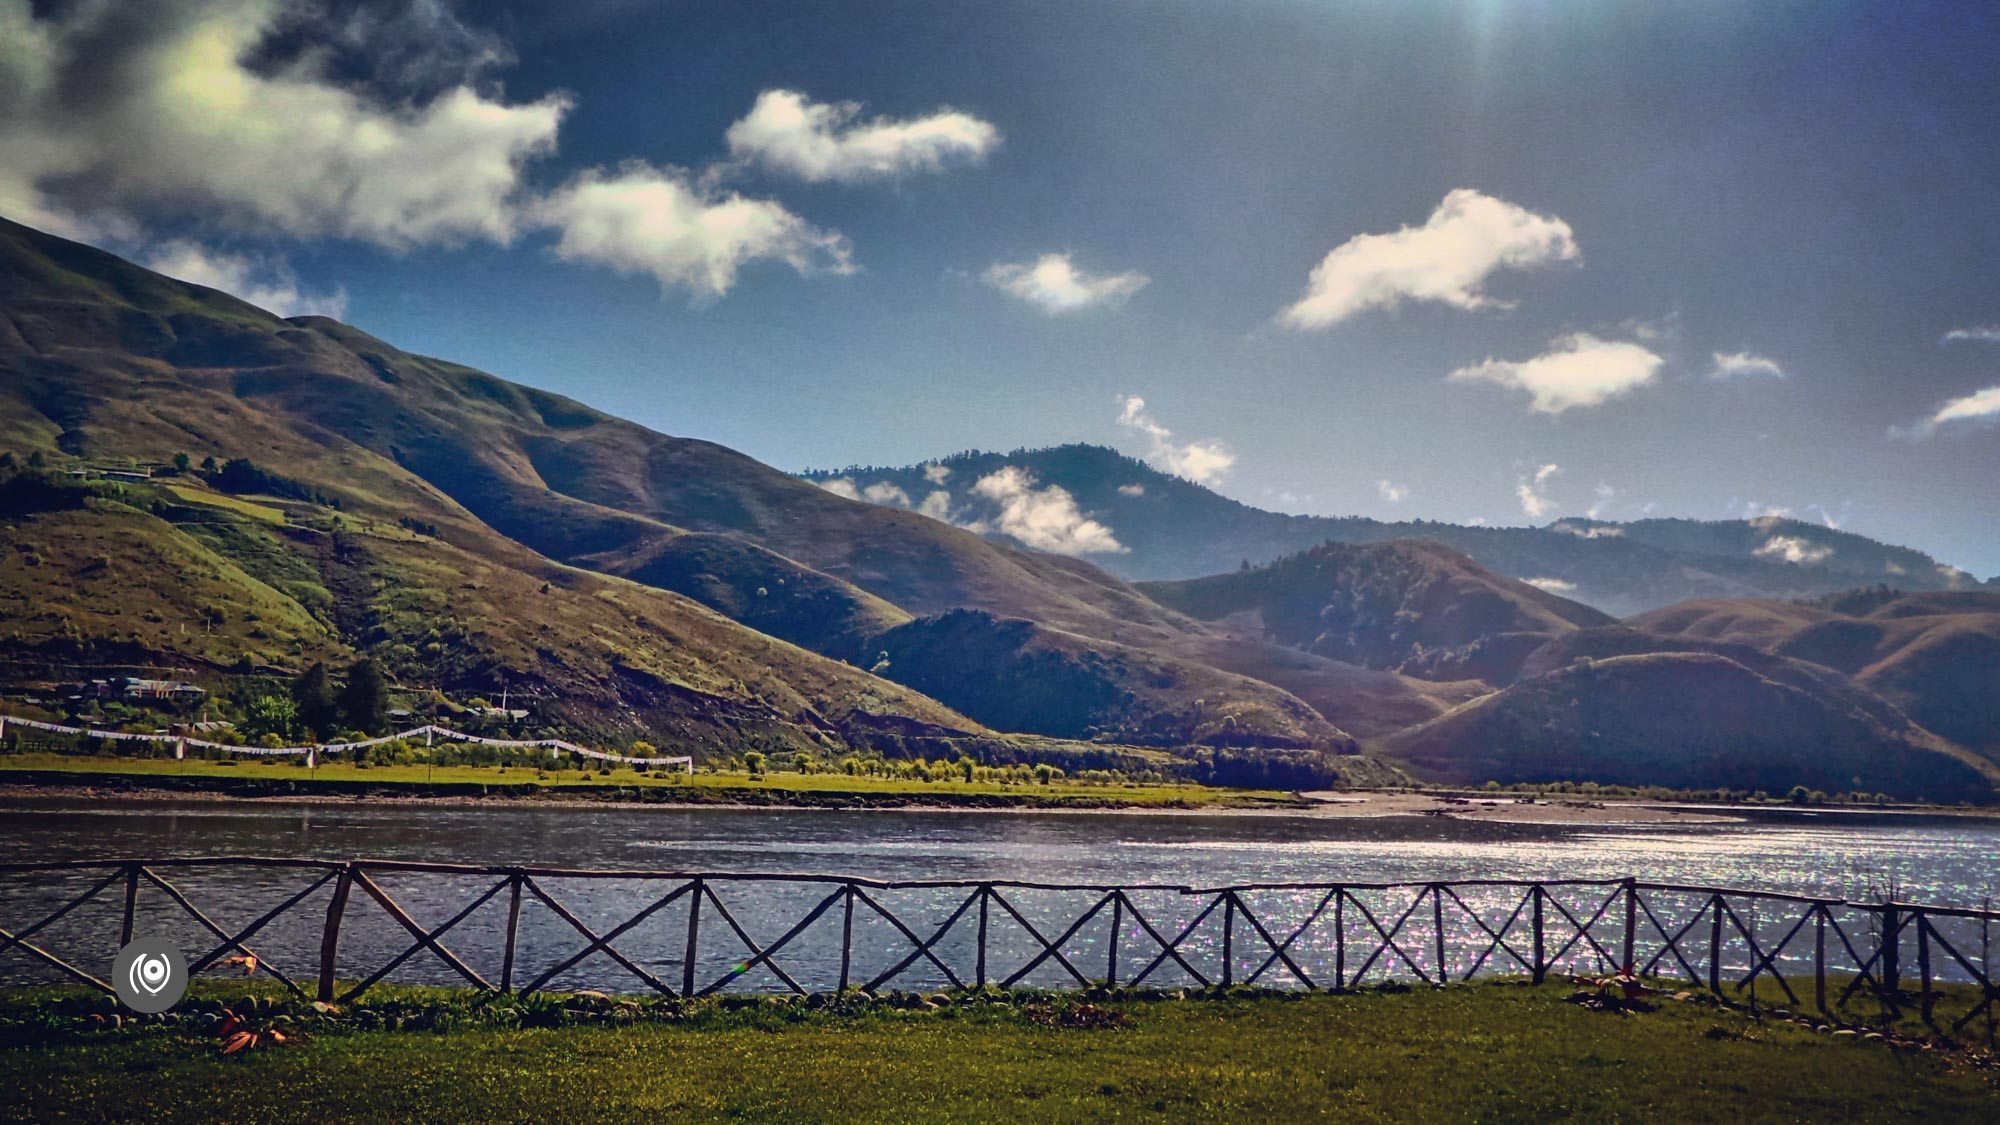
{"points": [[1819, 957], [985, 892], [131, 905], [846, 936], [1339, 939], [1631, 966], [1541, 966], [1437, 923], [1715, 944], [1117, 924], [329, 941], [1891, 947], [1228, 936], [513, 929], [693, 939]]}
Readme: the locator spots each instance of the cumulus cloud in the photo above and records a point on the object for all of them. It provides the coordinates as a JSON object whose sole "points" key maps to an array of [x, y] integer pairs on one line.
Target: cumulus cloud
{"points": [[1531, 490], [1977, 407], [937, 474], [841, 486], [1729, 365], [119, 109], [641, 219], [1587, 531], [1578, 370], [1047, 518], [787, 132], [1134, 489], [1793, 549], [1447, 260], [1552, 585], [1053, 284], [1977, 334], [1393, 493], [936, 505], [266, 283], [1199, 461], [884, 492]]}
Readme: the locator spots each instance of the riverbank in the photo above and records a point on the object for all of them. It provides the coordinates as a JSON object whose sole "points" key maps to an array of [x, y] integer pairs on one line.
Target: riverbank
{"points": [[343, 782], [1499, 1051]]}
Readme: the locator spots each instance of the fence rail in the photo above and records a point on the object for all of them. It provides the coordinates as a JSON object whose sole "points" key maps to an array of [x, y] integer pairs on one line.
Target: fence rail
{"points": [[684, 934]]}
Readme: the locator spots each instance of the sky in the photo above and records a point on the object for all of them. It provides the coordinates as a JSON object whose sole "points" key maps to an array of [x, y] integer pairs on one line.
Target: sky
{"points": [[1486, 261]]}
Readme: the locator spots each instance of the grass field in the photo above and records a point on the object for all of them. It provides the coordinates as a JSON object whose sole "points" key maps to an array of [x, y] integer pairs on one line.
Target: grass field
{"points": [[220, 500], [699, 785], [1496, 1052]]}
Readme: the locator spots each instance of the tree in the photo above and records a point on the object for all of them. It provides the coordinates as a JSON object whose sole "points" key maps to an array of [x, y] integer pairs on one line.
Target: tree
{"points": [[365, 700], [271, 716], [208, 464], [181, 462], [36, 460], [753, 760], [312, 694]]}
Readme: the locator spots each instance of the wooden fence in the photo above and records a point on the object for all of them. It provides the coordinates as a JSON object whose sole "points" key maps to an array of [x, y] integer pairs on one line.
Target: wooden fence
{"points": [[683, 934]]}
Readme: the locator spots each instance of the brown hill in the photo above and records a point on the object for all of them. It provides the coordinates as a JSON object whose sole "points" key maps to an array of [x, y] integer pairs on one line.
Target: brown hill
{"points": [[1685, 720], [107, 361], [1935, 655], [1407, 605]]}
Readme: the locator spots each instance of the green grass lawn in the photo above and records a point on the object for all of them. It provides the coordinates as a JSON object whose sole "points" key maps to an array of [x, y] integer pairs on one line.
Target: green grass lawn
{"points": [[706, 784], [1495, 1052]]}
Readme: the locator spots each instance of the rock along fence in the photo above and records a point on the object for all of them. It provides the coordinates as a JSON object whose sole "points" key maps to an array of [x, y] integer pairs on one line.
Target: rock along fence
{"points": [[334, 929]]}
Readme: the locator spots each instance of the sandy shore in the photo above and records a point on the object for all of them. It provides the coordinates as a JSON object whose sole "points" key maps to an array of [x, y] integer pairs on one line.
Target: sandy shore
{"points": [[1508, 810]]}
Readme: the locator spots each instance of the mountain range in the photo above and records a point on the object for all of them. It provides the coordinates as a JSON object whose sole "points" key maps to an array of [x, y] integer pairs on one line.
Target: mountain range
{"points": [[1156, 526], [468, 533]]}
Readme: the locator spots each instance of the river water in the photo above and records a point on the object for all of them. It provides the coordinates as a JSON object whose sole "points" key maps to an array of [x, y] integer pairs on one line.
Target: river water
{"points": [[1932, 859]]}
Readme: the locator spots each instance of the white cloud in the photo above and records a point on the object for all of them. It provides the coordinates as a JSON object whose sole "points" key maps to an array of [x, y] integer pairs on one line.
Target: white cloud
{"points": [[1977, 334], [1393, 493], [1046, 519], [841, 486], [642, 219], [883, 492], [1793, 549], [1131, 489], [268, 284], [1729, 365], [819, 141], [1587, 531], [937, 474], [1053, 284], [1828, 518], [1552, 585], [1578, 370], [937, 505], [1605, 494], [1534, 500], [118, 109], [1199, 461], [1979, 406], [1447, 260]]}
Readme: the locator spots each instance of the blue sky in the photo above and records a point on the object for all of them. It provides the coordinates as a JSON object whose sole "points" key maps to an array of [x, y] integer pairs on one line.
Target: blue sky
{"points": [[1577, 207]]}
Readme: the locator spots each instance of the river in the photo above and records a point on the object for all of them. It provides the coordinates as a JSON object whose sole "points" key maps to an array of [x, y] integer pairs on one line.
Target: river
{"points": [[1932, 859]]}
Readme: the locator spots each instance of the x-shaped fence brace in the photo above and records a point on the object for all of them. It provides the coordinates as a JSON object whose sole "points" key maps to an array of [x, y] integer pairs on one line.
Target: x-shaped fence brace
{"points": [[1550, 920]]}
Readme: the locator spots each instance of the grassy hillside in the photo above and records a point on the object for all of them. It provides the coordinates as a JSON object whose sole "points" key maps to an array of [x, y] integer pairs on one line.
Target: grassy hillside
{"points": [[1031, 677], [1682, 720], [1935, 655], [1412, 606], [109, 364], [322, 495]]}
